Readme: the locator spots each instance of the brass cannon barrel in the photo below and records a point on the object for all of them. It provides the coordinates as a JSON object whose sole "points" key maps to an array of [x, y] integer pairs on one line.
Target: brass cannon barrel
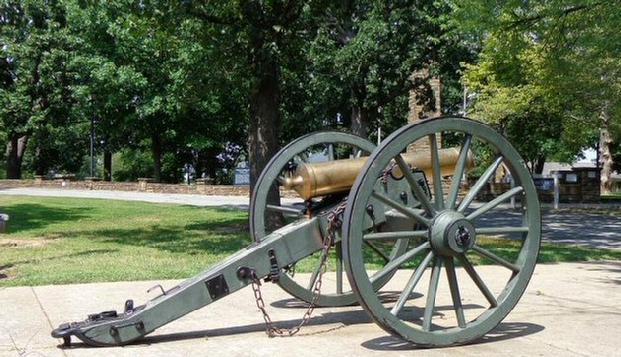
{"points": [[322, 178]]}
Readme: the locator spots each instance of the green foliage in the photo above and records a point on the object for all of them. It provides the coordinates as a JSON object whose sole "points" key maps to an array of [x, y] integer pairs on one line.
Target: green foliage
{"points": [[146, 72], [175, 80], [38, 70], [548, 69], [131, 164], [365, 53]]}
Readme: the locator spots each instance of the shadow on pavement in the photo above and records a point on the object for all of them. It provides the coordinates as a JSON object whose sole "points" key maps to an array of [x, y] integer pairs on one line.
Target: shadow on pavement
{"points": [[386, 296], [332, 320], [611, 267], [504, 331], [357, 316]]}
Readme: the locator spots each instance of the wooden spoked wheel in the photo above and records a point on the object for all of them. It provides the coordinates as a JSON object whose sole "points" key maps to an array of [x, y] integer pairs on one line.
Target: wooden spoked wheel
{"points": [[455, 233], [332, 145]]}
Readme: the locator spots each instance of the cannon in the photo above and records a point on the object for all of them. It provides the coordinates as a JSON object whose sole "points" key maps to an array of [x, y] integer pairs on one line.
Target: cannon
{"points": [[335, 204]]}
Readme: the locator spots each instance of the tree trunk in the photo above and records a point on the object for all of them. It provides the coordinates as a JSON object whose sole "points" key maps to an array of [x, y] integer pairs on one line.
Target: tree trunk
{"points": [[156, 150], [538, 164], [264, 119], [15, 154], [360, 121], [263, 138], [40, 166], [605, 144], [107, 172], [359, 114]]}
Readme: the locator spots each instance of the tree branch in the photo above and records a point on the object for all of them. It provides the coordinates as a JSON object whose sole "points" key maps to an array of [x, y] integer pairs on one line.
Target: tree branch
{"points": [[342, 35], [527, 21], [203, 15]]}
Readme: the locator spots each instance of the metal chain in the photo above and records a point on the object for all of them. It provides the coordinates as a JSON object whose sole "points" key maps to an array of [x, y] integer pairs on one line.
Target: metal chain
{"points": [[387, 172], [334, 224]]}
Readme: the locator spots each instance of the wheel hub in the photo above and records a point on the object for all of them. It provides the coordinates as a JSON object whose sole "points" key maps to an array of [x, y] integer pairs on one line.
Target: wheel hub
{"points": [[452, 234]]}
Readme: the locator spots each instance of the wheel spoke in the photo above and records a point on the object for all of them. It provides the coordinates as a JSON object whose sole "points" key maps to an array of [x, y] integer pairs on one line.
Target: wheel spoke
{"points": [[285, 210], [501, 230], [454, 287], [474, 191], [396, 235], [477, 280], [339, 268], [495, 202], [431, 294], [401, 208], [398, 261], [460, 167], [377, 251], [411, 284], [418, 191], [486, 253], [437, 177]]}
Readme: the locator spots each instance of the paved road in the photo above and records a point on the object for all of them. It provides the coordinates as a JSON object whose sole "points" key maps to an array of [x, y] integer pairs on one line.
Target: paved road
{"points": [[600, 228], [194, 200], [586, 227], [563, 313]]}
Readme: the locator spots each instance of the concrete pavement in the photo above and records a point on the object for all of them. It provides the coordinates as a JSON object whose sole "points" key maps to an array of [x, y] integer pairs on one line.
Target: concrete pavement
{"points": [[569, 309]]}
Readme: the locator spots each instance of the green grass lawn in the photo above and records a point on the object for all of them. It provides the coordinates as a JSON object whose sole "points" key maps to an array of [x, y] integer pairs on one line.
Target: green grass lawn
{"points": [[614, 197], [65, 240]]}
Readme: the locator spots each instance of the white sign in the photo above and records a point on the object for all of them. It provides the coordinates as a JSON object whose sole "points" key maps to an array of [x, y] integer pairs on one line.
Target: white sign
{"points": [[571, 178]]}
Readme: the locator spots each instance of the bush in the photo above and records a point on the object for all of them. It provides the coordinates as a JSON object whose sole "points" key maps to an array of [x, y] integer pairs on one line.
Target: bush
{"points": [[130, 164]]}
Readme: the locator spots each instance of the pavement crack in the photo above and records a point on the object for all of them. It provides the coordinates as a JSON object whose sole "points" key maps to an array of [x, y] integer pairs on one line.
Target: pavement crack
{"points": [[41, 307], [47, 317], [19, 350]]}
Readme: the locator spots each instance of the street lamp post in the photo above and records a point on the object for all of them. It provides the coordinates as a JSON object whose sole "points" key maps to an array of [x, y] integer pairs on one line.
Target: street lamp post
{"points": [[93, 146]]}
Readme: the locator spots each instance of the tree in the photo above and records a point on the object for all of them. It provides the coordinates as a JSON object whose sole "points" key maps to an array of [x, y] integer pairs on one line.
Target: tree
{"points": [[563, 53], [512, 97], [266, 35], [367, 52], [152, 82], [35, 52]]}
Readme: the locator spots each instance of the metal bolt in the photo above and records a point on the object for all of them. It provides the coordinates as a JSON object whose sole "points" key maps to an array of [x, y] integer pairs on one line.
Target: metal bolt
{"points": [[244, 273], [463, 236], [404, 197]]}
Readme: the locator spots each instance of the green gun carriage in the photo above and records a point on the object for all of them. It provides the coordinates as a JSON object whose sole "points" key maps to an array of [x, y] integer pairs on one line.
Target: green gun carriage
{"points": [[367, 213]]}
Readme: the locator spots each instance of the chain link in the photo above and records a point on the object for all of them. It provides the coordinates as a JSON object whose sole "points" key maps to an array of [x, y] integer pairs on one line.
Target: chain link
{"points": [[387, 173], [334, 224]]}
